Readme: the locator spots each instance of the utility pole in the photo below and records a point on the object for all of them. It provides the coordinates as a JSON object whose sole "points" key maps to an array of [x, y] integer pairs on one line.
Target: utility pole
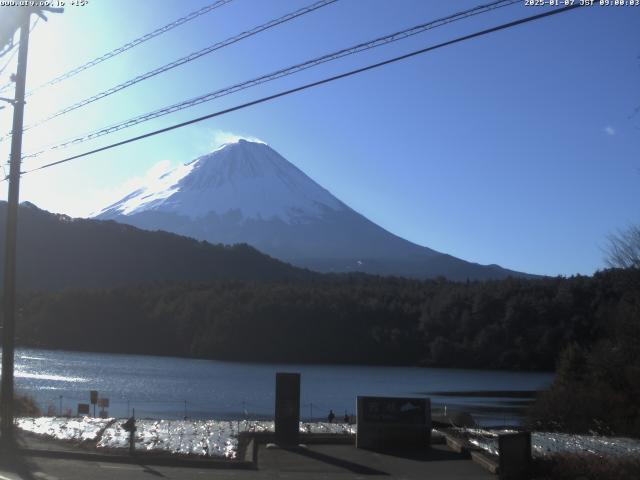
{"points": [[9, 297], [23, 19]]}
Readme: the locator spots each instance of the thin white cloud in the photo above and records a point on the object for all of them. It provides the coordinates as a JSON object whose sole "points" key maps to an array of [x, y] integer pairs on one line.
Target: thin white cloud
{"points": [[94, 198], [609, 130], [220, 137], [101, 198]]}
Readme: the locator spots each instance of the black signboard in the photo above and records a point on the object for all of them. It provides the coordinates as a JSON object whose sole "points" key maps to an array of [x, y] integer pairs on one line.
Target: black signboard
{"points": [[392, 423], [94, 397], [83, 409], [409, 411], [287, 408]]}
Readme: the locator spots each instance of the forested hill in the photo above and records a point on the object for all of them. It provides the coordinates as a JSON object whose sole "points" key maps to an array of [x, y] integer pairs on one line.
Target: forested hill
{"points": [[507, 324], [57, 252]]}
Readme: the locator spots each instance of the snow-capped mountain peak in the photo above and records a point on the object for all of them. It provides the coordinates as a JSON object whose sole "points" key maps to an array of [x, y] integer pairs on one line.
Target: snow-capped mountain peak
{"points": [[244, 176], [245, 192]]}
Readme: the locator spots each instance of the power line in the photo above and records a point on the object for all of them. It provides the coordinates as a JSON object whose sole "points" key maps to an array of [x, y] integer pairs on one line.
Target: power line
{"points": [[8, 62], [6, 86], [10, 46], [131, 44], [314, 84], [279, 74], [186, 59]]}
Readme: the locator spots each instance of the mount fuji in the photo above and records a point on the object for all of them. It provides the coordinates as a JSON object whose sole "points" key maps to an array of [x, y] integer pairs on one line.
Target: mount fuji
{"points": [[245, 192]]}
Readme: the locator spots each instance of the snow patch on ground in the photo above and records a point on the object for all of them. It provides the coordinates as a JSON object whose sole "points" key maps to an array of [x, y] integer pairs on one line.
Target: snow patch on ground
{"points": [[209, 438], [549, 443], [219, 438], [62, 428]]}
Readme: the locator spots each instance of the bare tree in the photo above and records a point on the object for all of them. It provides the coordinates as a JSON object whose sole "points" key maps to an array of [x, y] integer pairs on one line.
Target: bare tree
{"points": [[623, 248]]}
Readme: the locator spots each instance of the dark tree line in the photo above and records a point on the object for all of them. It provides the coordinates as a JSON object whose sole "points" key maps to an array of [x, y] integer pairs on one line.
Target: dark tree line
{"points": [[597, 386], [56, 252], [506, 324]]}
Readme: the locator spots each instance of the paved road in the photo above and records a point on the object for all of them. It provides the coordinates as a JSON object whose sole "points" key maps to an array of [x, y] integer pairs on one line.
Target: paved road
{"points": [[337, 462]]}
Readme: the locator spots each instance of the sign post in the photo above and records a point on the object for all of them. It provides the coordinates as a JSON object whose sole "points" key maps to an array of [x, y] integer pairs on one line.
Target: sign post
{"points": [[103, 403], [130, 426], [93, 395]]}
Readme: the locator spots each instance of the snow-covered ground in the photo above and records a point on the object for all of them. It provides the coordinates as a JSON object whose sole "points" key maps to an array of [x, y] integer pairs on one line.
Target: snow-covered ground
{"points": [[212, 438], [547, 443], [63, 428], [218, 438]]}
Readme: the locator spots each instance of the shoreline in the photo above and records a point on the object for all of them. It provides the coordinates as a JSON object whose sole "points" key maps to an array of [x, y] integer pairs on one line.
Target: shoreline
{"points": [[284, 364]]}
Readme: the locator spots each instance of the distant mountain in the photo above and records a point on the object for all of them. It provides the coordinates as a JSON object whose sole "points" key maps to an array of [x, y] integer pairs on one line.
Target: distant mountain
{"points": [[57, 252], [245, 192]]}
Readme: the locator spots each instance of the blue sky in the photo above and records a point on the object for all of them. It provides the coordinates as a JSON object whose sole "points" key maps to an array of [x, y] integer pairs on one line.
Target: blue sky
{"points": [[518, 148]]}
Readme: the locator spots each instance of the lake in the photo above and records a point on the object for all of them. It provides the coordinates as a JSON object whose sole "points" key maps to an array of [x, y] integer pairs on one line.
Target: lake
{"points": [[170, 388]]}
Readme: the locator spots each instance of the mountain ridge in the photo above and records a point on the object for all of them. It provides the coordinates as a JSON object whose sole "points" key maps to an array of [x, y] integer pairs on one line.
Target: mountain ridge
{"points": [[245, 192], [57, 252]]}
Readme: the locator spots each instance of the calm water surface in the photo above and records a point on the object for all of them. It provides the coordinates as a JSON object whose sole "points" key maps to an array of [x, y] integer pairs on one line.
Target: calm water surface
{"points": [[168, 387]]}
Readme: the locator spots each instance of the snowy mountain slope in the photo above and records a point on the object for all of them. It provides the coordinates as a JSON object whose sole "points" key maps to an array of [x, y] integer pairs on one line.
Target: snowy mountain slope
{"points": [[245, 192], [247, 177]]}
